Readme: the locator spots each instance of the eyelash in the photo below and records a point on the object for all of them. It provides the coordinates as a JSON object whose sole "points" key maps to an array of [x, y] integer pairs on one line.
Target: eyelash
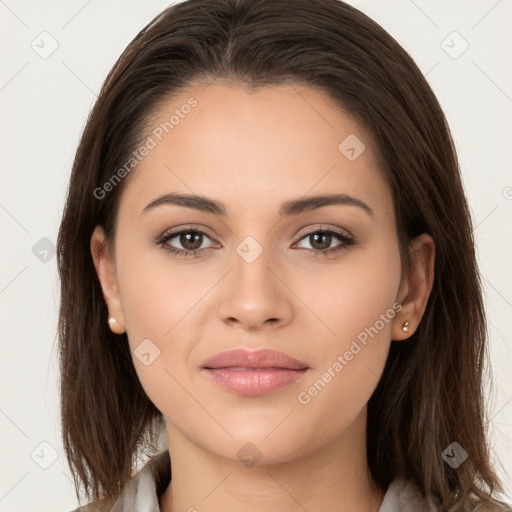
{"points": [[346, 240]]}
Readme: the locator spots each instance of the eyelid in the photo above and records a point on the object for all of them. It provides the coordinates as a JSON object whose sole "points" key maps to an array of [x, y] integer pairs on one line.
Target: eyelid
{"points": [[323, 227], [345, 238], [177, 230]]}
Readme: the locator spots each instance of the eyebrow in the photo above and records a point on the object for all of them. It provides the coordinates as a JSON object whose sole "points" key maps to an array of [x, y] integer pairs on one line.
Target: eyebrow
{"points": [[289, 208]]}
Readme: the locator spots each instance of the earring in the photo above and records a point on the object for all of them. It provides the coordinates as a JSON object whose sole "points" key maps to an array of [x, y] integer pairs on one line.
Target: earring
{"points": [[405, 326], [115, 326]]}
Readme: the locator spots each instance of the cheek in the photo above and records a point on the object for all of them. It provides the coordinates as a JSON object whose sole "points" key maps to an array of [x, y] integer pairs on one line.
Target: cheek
{"points": [[358, 311], [160, 301], [346, 298], [156, 293]]}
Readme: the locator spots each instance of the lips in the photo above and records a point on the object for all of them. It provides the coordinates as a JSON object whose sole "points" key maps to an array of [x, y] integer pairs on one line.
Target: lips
{"points": [[253, 373], [244, 359]]}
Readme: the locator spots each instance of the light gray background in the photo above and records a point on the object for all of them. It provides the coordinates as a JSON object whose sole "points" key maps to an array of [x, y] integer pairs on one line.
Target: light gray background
{"points": [[44, 103]]}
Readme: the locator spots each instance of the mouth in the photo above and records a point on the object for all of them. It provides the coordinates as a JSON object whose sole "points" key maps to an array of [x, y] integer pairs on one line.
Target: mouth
{"points": [[253, 373]]}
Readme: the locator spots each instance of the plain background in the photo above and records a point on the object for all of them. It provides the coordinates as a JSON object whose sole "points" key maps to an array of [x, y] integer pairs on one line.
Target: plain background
{"points": [[44, 102]]}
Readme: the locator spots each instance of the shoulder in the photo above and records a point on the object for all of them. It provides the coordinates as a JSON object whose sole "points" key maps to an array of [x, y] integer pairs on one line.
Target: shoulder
{"points": [[91, 507], [143, 490], [405, 496]]}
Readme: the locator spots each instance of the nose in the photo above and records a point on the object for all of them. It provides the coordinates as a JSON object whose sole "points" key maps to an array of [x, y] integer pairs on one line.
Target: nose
{"points": [[253, 296]]}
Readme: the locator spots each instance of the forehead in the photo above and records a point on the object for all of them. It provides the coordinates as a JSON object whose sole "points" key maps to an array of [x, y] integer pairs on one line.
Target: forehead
{"points": [[250, 148]]}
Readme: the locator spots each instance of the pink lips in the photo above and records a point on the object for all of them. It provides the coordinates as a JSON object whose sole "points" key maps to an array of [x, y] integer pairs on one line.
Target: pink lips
{"points": [[254, 373]]}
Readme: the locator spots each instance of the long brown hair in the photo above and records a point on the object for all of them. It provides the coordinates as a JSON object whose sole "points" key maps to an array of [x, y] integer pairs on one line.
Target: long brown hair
{"points": [[430, 394]]}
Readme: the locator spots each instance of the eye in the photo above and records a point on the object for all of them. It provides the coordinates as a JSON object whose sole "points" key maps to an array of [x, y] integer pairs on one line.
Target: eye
{"points": [[320, 241], [190, 239]]}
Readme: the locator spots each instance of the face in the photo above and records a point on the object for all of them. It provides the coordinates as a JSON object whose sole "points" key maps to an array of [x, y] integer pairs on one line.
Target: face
{"points": [[320, 282]]}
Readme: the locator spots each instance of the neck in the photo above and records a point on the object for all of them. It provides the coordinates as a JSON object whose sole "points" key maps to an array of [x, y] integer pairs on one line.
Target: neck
{"points": [[333, 477]]}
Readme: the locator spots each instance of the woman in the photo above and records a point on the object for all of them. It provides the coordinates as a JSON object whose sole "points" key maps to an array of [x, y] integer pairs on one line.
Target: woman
{"points": [[266, 255]]}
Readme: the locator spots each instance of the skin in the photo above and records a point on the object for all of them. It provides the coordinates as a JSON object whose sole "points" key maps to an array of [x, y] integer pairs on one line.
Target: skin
{"points": [[285, 146]]}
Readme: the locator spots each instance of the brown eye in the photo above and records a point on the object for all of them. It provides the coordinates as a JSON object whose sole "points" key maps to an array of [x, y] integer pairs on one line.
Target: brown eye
{"points": [[190, 240], [320, 241]]}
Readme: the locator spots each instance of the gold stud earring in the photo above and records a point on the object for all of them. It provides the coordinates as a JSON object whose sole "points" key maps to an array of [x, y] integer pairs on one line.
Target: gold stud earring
{"points": [[115, 326], [405, 326]]}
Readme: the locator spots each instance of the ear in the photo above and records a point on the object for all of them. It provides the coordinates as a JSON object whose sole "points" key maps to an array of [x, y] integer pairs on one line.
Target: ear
{"points": [[104, 262], [415, 288]]}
